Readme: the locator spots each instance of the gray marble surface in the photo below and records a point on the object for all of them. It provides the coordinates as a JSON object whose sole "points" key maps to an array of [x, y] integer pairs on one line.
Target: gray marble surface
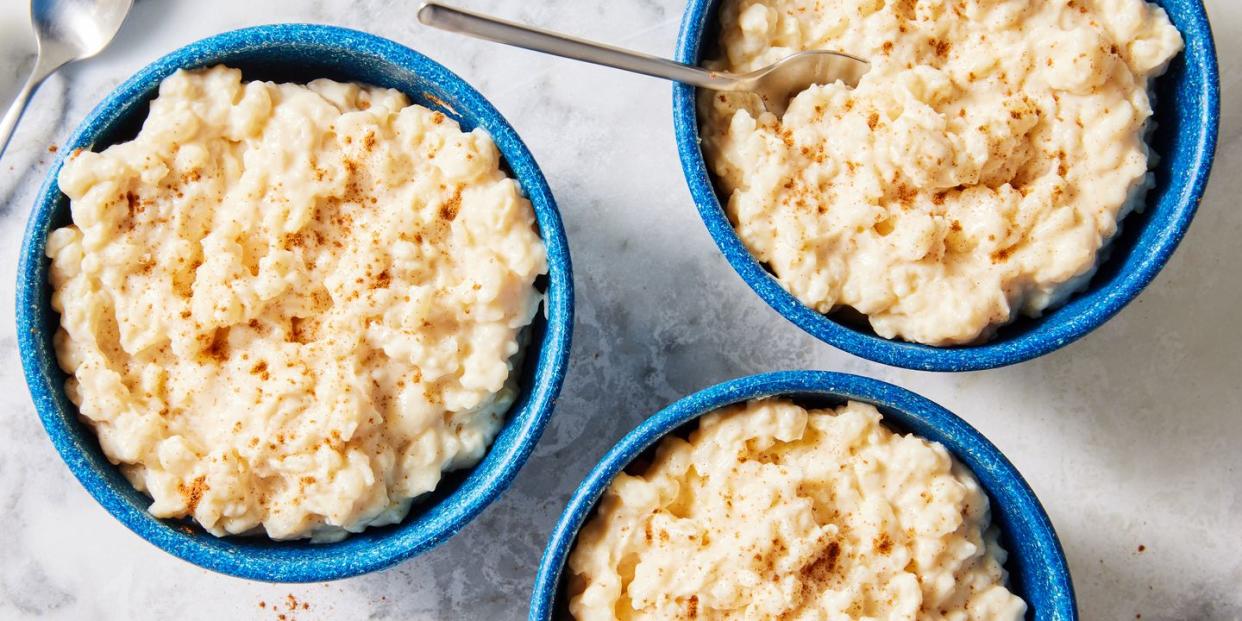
{"points": [[1130, 437]]}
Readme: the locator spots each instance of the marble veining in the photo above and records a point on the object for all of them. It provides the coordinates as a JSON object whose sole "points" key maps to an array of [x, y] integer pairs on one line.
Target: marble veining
{"points": [[1129, 437]]}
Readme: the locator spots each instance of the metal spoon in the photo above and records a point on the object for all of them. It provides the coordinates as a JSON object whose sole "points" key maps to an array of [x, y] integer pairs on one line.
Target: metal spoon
{"points": [[775, 84], [65, 31]]}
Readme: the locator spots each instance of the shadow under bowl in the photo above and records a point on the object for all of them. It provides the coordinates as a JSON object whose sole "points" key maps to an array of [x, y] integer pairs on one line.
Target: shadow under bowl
{"points": [[1186, 117], [300, 53]]}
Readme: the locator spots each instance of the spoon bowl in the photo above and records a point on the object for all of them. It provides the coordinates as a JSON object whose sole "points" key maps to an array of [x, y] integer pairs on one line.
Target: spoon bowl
{"points": [[80, 28], [782, 80], [65, 31]]}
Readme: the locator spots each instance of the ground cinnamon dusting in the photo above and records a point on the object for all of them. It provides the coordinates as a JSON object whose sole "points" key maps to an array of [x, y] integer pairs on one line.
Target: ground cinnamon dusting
{"points": [[218, 348], [884, 544], [905, 193], [133, 203], [448, 211], [301, 330], [194, 492], [821, 568]]}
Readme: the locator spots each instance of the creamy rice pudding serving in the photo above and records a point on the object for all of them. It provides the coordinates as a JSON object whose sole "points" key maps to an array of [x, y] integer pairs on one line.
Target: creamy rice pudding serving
{"points": [[976, 171], [290, 308], [772, 511]]}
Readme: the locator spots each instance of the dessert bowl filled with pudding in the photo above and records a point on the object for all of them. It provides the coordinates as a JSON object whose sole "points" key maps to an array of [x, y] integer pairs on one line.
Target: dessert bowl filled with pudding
{"points": [[294, 303], [1004, 178], [803, 495]]}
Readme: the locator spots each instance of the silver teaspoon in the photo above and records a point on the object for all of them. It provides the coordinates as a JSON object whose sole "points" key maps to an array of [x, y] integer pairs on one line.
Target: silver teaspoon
{"points": [[65, 31], [775, 84]]}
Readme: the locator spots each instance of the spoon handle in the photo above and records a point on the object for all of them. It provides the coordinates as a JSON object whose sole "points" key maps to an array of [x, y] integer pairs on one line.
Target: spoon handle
{"points": [[41, 70], [509, 33]]}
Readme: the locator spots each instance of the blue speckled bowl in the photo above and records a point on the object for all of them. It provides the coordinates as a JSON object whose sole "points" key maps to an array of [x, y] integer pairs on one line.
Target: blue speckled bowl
{"points": [[1187, 115], [1037, 569], [298, 53]]}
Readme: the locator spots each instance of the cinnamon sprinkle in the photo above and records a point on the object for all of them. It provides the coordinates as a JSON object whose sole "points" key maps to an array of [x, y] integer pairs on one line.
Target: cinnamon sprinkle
{"points": [[194, 492]]}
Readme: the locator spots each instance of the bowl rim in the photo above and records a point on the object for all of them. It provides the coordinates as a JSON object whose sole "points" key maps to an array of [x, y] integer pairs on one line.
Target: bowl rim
{"points": [[993, 354], [959, 437], [530, 412]]}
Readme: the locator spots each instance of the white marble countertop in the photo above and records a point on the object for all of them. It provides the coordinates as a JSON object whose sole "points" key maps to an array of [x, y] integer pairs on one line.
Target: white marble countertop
{"points": [[1130, 437]]}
